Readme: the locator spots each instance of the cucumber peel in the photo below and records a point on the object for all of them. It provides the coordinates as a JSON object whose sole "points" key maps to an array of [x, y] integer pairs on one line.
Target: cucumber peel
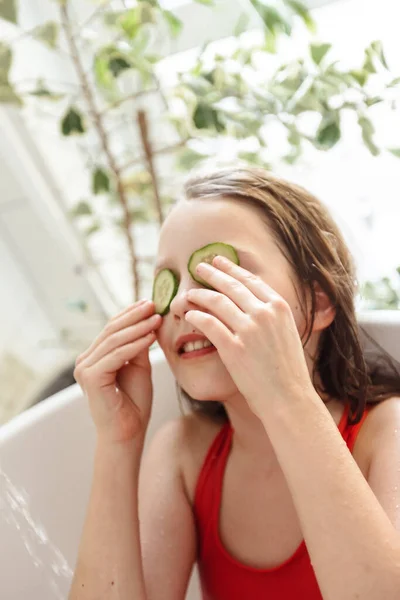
{"points": [[207, 254], [164, 289], [166, 282]]}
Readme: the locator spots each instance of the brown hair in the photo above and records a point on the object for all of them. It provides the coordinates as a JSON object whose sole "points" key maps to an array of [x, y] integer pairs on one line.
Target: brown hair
{"points": [[314, 246]]}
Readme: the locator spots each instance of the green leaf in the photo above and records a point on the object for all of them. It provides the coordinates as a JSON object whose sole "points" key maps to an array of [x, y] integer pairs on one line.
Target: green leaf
{"points": [[47, 33], [369, 60], [92, 229], [118, 64], [395, 152], [188, 158], [8, 95], [378, 49], [130, 22], [273, 20], [375, 100], [241, 24], [206, 117], [270, 42], [368, 130], [328, 134], [72, 122], [318, 51], [175, 25], [5, 62], [100, 181], [304, 13], [81, 209], [42, 91], [8, 10], [360, 76], [206, 2], [102, 72]]}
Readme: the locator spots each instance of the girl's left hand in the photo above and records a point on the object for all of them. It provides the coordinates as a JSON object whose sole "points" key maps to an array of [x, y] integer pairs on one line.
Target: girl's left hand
{"points": [[255, 333]]}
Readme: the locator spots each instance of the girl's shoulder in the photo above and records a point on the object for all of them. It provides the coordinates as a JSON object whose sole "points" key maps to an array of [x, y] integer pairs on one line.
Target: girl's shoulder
{"points": [[383, 419]]}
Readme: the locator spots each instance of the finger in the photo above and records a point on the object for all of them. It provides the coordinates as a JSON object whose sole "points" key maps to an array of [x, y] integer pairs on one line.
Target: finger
{"points": [[213, 329], [231, 287], [129, 316], [113, 362], [218, 305], [255, 284], [121, 338]]}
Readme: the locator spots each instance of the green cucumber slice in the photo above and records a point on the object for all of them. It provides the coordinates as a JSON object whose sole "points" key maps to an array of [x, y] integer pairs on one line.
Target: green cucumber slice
{"points": [[207, 254], [164, 289]]}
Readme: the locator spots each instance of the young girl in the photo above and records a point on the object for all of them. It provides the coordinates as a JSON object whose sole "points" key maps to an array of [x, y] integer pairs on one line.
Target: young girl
{"points": [[283, 483]]}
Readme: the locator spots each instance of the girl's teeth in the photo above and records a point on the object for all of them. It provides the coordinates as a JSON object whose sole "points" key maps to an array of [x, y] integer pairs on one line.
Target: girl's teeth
{"points": [[197, 345]]}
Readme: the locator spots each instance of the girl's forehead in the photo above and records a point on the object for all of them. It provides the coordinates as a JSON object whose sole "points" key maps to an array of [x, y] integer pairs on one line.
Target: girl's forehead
{"points": [[216, 217], [196, 223]]}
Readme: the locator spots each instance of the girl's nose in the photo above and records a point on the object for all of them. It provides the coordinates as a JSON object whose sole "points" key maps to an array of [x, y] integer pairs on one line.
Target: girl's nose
{"points": [[180, 304]]}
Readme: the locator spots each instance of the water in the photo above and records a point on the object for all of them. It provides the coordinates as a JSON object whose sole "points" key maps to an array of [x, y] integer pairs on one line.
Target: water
{"points": [[14, 510]]}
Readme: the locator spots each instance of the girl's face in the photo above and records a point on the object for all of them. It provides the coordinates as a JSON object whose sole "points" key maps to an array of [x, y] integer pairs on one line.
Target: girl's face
{"points": [[191, 225]]}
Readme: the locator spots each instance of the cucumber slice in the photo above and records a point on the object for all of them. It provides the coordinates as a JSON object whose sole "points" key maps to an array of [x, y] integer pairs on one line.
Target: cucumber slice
{"points": [[164, 289], [207, 254]]}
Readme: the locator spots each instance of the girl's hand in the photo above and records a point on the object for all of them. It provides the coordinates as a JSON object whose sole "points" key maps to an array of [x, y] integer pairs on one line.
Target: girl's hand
{"points": [[255, 333], [115, 374]]}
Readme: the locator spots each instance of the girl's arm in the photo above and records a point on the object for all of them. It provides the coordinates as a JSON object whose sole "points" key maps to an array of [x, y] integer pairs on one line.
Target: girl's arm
{"points": [[353, 544], [110, 564]]}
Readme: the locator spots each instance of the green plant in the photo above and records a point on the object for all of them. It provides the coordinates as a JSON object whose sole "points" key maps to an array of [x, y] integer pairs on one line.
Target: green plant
{"points": [[225, 95], [382, 294]]}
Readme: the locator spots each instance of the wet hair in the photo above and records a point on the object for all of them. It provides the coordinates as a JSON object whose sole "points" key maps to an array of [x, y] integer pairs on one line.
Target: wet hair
{"points": [[309, 238]]}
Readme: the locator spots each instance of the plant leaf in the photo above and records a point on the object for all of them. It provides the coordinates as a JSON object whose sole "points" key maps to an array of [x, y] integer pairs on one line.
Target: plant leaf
{"points": [[5, 62], [8, 94], [318, 51], [175, 25], [81, 209], [189, 158], [8, 10], [118, 64], [378, 49], [360, 76], [303, 12], [100, 181], [206, 117], [47, 33], [72, 122], [328, 134], [42, 91], [272, 18], [206, 2], [368, 130], [395, 152], [241, 24], [92, 229]]}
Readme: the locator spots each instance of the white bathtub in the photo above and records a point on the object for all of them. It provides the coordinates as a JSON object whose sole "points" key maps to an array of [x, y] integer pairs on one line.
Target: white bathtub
{"points": [[46, 458]]}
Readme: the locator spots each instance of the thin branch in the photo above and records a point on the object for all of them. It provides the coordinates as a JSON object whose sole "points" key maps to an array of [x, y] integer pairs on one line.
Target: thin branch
{"points": [[118, 103], [144, 134], [97, 120], [164, 150], [91, 17]]}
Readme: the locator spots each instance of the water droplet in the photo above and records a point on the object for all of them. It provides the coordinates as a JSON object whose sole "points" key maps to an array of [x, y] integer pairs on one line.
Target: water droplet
{"points": [[14, 504]]}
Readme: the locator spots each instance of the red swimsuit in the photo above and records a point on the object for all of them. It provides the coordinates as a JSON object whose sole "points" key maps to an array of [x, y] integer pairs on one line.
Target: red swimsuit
{"points": [[222, 576]]}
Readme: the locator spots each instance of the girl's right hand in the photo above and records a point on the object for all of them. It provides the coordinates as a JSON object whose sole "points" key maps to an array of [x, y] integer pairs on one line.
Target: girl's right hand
{"points": [[115, 374]]}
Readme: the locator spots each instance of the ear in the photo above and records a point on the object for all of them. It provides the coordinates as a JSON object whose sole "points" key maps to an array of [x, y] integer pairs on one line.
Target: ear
{"points": [[324, 310]]}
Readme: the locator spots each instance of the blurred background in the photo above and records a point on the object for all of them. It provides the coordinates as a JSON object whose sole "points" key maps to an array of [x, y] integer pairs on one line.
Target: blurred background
{"points": [[104, 106]]}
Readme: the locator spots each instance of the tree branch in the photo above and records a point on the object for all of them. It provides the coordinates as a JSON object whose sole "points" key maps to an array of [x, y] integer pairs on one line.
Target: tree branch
{"points": [[118, 103], [99, 125], [144, 134]]}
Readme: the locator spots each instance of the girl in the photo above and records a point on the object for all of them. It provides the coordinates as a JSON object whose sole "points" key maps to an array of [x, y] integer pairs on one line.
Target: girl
{"points": [[284, 481]]}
